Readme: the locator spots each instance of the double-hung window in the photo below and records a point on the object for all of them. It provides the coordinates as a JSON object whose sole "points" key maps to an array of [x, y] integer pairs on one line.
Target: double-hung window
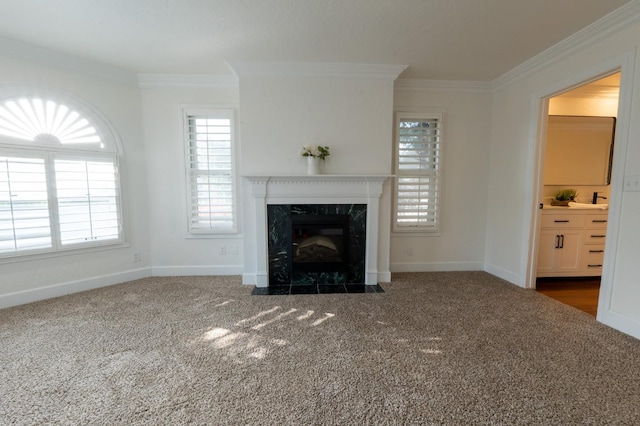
{"points": [[211, 199], [417, 168], [59, 180]]}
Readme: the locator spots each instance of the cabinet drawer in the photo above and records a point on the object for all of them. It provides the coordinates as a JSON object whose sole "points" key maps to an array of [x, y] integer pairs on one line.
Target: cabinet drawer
{"points": [[596, 221], [592, 258], [597, 236], [562, 221]]}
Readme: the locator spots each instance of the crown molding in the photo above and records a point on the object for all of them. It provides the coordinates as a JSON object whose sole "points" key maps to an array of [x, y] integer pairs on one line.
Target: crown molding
{"points": [[147, 81], [47, 57], [443, 85], [316, 69], [599, 30]]}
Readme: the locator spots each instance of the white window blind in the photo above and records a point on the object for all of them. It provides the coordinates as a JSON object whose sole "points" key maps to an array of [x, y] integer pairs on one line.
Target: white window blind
{"points": [[210, 163], [418, 153], [24, 207], [87, 200], [59, 181]]}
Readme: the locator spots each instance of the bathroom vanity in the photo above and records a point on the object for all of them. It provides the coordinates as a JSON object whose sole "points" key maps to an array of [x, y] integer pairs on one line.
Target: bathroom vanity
{"points": [[571, 242]]}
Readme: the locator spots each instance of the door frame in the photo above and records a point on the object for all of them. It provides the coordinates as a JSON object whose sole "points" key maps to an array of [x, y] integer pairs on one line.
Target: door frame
{"points": [[625, 64]]}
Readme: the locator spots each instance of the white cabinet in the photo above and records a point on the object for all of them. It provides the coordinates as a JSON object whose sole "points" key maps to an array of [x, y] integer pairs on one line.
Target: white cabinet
{"points": [[571, 243]]}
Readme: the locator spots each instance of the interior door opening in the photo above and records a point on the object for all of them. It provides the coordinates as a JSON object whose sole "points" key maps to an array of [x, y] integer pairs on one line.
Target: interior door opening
{"points": [[575, 190]]}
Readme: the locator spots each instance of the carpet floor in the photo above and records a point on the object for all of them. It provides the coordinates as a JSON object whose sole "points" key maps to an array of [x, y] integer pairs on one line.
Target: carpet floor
{"points": [[434, 348]]}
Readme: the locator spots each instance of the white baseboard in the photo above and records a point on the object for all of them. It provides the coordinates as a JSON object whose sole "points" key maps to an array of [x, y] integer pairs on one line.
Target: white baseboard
{"points": [[619, 322], [62, 289], [512, 277], [182, 271], [437, 267]]}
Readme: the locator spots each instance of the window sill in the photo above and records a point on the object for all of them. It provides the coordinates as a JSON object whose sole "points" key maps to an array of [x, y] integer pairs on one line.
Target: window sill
{"points": [[217, 235], [33, 256], [416, 233]]}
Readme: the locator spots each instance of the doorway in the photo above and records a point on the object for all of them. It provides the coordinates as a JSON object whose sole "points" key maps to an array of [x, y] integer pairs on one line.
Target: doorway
{"points": [[574, 192]]}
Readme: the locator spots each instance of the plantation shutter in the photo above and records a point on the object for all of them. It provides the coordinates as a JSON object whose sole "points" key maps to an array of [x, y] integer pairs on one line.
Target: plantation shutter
{"points": [[87, 200], [59, 180], [210, 172], [24, 207], [417, 172]]}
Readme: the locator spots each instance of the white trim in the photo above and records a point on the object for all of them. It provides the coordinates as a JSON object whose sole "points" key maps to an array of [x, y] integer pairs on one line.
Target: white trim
{"points": [[616, 187], [316, 69], [443, 85], [150, 81], [599, 30], [196, 270], [62, 289], [436, 266]]}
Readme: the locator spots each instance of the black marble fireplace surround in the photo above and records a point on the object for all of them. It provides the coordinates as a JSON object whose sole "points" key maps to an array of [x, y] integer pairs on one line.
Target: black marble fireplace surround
{"points": [[281, 223]]}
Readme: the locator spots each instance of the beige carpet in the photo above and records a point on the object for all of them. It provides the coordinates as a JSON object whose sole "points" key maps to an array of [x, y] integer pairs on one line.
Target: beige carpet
{"points": [[436, 348]]}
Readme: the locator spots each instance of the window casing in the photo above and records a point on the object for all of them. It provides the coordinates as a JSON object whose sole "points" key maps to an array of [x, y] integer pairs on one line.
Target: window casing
{"points": [[418, 153], [211, 181], [59, 179]]}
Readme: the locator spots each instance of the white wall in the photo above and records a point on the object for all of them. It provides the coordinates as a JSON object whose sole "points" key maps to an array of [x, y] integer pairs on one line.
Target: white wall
{"points": [[116, 96], [172, 251], [512, 165], [466, 136], [351, 116]]}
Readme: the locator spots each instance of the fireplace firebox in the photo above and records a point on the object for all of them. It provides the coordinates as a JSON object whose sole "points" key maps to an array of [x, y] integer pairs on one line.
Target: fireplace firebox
{"points": [[318, 243]]}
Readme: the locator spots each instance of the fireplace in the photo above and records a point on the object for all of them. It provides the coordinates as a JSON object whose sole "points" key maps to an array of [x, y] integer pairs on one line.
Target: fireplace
{"points": [[316, 243], [268, 227]]}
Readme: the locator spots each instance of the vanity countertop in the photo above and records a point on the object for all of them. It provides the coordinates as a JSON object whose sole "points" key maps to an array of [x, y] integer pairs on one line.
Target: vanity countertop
{"points": [[581, 208]]}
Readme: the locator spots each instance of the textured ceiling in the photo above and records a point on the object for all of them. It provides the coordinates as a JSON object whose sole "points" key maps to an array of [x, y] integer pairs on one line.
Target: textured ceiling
{"points": [[438, 39]]}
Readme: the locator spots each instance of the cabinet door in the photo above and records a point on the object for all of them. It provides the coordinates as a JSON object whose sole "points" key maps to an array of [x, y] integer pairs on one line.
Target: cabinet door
{"points": [[568, 255], [559, 252]]}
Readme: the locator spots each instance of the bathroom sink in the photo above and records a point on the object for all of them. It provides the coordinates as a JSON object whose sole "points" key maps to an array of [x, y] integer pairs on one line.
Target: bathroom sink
{"points": [[588, 206]]}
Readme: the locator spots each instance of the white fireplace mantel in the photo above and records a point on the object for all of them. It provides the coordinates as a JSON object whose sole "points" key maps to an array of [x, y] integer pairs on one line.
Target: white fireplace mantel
{"points": [[311, 189]]}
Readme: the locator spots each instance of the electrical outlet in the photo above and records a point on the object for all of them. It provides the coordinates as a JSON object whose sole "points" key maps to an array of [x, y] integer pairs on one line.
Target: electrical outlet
{"points": [[234, 250], [409, 251], [223, 250], [632, 183], [136, 256]]}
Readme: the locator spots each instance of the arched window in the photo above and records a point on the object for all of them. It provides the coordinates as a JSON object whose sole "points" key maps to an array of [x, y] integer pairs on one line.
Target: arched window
{"points": [[59, 182]]}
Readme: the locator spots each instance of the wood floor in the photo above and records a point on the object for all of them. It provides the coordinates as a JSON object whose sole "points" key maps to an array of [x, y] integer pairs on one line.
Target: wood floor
{"points": [[581, 293]]}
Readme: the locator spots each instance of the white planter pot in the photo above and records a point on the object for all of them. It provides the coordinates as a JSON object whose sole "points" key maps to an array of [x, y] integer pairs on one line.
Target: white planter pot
{"points": [[313, 165]]}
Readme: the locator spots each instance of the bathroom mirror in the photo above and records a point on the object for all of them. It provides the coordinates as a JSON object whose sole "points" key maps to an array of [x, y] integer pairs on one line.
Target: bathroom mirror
{"points": [[579, 150]]}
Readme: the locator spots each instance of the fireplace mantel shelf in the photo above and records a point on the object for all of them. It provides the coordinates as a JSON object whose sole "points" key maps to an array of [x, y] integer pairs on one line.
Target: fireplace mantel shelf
{"points": [[318, 178]]}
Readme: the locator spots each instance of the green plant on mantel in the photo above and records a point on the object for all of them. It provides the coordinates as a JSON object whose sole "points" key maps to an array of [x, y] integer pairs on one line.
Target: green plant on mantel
{"points": [[566, 195]]}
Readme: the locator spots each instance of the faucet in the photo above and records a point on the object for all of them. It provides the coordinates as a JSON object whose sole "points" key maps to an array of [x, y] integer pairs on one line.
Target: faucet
{"points": [[595, 198]]}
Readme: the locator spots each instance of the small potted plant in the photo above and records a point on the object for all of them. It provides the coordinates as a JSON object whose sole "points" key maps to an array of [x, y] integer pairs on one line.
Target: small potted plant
{"points": [[314, 154], [564, 197]]}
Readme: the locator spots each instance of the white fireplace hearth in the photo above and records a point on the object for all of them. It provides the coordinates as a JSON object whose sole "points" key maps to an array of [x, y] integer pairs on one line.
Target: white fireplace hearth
{"points": [[306, 189]]}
